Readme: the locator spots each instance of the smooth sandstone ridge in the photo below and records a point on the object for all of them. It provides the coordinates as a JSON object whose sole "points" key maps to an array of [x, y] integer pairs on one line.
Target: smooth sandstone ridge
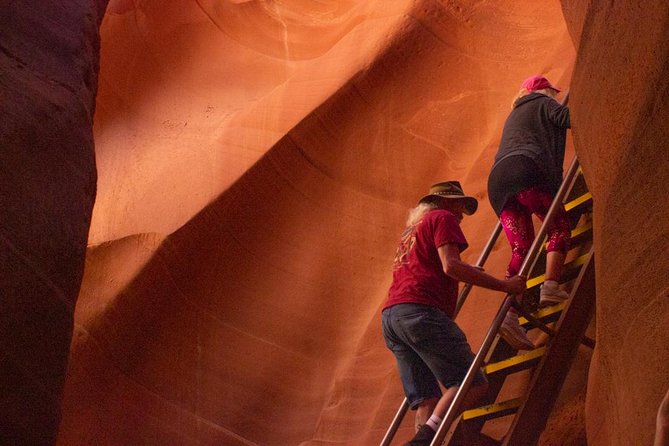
{"points": [[255, 161]]}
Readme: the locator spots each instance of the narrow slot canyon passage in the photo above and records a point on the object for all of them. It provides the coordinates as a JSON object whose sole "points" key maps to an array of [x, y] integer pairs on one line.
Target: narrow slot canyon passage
{"points": [[202, 200]]}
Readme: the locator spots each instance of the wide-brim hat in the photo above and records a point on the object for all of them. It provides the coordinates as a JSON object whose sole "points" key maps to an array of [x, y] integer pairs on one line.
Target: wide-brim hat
{"points": [[451, 190]]}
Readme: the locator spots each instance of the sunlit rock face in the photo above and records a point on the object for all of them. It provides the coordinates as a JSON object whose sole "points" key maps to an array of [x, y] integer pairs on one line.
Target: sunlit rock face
{"points": [[48, 78], [255, 163], [192, 94]]}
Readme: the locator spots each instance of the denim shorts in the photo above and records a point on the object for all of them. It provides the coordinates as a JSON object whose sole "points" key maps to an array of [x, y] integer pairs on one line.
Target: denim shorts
{"points": [[429, 348]]}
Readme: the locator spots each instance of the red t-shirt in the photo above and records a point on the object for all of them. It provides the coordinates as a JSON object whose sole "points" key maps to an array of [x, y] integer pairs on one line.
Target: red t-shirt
{"points": [[418, 275]]}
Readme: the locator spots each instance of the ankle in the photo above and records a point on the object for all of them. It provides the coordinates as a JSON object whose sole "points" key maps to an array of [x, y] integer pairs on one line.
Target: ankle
{"points": [[551, 283], [434, 422]]}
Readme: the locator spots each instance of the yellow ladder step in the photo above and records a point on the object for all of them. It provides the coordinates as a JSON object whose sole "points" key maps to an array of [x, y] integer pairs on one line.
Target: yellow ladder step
{"points": [[581, 229], [578, 201], [515, 363], [534, 281], [491, 411], [544, 313]]}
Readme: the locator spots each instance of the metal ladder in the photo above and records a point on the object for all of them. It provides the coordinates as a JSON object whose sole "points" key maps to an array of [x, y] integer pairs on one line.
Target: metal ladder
{"points": [[551, 362]]}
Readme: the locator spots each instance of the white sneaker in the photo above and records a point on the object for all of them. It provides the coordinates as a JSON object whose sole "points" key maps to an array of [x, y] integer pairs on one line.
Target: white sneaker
{"points": [[551, 295], [514, 334]]}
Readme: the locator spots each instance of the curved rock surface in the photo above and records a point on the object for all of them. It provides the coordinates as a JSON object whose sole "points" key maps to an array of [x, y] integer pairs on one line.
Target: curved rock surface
{"points": [[621, 92], [255, 163]]}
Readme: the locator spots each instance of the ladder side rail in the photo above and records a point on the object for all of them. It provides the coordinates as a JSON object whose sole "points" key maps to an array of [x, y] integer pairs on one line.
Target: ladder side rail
{"points": [[395, 425], [544, 388], [454, 409], [462, 297]]}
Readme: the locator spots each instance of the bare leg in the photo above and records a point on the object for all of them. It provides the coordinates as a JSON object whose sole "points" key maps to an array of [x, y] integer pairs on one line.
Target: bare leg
{"points": [[554, 262], [423, 412], [445, 402], [473, 396]]}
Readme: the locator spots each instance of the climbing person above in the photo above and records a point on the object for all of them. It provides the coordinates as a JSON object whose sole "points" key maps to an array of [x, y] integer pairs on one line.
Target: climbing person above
{"points": [[524, 179]]}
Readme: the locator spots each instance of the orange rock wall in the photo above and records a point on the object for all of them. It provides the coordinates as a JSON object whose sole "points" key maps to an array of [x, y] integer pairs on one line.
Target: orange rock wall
{"points": [[192, 94], [621, 131]]}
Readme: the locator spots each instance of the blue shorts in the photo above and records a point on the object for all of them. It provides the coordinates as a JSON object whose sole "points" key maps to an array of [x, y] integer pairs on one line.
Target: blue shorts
{"points": [[429, 347]]}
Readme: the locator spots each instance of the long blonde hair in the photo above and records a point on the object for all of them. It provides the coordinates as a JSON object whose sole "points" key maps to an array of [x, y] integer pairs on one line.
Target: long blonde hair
{"points": [[417, 213], [524, 92]]}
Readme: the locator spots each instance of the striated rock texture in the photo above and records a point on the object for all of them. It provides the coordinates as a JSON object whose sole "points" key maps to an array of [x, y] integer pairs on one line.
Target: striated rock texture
{"points": [[48, 78], [256, 160]]}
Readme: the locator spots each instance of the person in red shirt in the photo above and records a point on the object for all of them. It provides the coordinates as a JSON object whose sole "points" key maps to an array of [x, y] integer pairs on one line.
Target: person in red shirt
{"points": [[417, 317]]}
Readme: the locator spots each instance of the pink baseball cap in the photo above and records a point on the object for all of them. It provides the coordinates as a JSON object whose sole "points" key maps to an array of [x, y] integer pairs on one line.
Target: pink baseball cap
{"points": [[537, 82]]}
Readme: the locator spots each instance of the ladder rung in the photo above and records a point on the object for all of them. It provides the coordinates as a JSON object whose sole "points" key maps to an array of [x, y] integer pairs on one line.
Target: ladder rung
{"points": [[515, 363], [534, 281], [580, 230], [581, 235], [577, 232], [545, 314], [578, 201], [492, 411]]}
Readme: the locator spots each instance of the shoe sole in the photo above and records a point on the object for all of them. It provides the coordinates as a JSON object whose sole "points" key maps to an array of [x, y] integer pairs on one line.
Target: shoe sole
{"points": [[550, 301], [507, 335]]}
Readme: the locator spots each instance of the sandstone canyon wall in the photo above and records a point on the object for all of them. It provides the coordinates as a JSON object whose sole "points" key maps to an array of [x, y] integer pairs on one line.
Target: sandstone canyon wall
{"points": [[621, 132], [255, 162], [255, 320], [48, 78]]}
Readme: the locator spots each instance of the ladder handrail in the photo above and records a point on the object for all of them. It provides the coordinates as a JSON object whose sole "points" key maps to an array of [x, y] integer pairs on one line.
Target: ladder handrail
{"points": [[462, 297], [454, 409]]}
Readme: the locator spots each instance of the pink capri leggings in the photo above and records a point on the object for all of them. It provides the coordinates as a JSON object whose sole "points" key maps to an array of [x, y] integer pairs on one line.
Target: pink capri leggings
{"points": [[516, 218]]}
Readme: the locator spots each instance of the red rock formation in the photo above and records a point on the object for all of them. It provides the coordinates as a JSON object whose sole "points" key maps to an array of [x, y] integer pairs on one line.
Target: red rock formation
{"points": [[256, 160]]}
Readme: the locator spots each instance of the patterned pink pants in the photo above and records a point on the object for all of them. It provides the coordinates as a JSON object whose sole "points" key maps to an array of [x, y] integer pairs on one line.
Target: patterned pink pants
{"points": [[516, 218]]}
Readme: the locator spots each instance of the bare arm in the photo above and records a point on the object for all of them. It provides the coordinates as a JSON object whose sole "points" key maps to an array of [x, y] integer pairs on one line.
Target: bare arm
{"points": [[464, 272]]}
